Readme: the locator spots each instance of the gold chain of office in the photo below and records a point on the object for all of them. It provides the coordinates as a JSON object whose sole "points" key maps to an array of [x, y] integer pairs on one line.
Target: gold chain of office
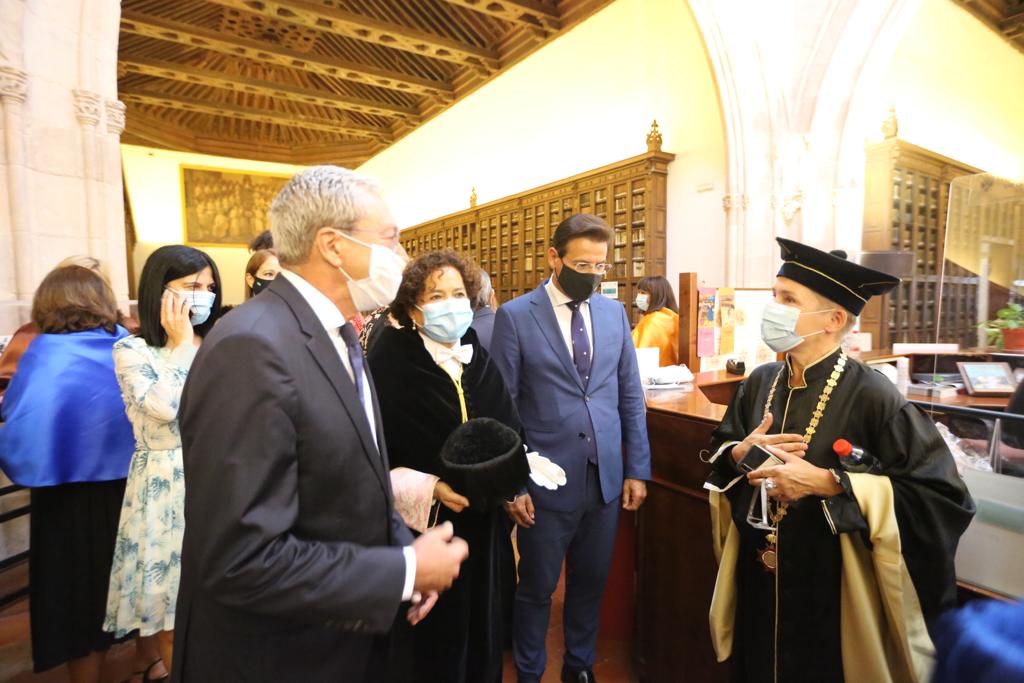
{"points": [[769, 555]]}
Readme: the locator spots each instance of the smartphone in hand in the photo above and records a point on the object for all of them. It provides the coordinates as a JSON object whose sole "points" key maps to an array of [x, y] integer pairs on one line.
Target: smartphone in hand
{"points": [[758, 457]]}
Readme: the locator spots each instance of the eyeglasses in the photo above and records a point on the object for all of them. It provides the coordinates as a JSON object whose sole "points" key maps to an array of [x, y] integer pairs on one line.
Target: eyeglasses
{"points": [[589, 268], [389, 238]]}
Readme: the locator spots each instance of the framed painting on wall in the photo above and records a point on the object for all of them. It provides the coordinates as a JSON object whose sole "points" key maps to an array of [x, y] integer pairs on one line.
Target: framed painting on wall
{"points": [[225, 208]]}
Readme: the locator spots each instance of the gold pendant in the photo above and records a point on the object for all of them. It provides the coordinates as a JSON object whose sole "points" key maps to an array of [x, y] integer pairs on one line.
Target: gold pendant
{"points": [[769, 558]]}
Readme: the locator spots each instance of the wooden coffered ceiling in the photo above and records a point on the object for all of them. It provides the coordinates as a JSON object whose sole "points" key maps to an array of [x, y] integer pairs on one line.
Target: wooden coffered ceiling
{"points": [[1005, 17], [315, 81]]}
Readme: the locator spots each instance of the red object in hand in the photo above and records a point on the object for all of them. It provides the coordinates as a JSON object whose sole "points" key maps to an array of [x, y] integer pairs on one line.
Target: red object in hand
{"points": [[842, 448]]}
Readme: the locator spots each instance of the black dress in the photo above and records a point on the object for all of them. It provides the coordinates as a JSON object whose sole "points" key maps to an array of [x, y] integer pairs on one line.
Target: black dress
{"points": [[461, 640], [73, 530]]}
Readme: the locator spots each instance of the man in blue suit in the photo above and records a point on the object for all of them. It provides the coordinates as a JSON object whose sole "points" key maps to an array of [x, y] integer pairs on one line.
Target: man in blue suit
{"points": [[569, 362]]}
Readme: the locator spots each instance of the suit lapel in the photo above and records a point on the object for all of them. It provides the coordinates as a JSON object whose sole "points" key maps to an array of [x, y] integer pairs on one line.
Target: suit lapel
{"points": [[544, 313], [326, 356], [605, 339]]}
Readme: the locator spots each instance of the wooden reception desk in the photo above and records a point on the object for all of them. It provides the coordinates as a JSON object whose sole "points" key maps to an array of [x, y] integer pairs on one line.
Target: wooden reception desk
{"points": [[675, 563]]}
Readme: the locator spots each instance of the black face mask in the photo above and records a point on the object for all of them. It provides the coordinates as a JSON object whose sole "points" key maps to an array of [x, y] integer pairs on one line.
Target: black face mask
{"points": [[259, 284], [577, 285]]}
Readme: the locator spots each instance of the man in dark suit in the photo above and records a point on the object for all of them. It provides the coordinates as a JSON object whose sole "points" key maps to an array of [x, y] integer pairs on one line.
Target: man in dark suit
{"points": [[483, 311], [294, 558], [569, 362]]}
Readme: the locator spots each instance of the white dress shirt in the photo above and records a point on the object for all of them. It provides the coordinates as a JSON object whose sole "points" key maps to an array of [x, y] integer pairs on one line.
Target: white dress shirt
{"points": [[560, 302], [332, 319]]}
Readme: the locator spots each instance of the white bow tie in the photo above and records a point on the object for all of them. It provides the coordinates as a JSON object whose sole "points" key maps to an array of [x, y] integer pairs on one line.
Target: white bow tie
{"points": [[463, 354]]}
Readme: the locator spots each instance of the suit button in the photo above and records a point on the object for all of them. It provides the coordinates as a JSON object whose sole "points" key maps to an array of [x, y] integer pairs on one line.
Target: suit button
{"points": [[587, 398]]}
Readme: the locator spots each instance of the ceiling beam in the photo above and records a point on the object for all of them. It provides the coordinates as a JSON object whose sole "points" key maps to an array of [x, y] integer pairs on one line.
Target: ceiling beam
{"points": [[285, 119], [145, 130], [330, 19], [1013, 26], [235, 83], [159, 133], [193, 36], [521, 12]]}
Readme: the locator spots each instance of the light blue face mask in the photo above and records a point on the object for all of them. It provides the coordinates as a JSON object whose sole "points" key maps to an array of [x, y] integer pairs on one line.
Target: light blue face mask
{"points": [[201, 305], [778, 326], [446, 321]]}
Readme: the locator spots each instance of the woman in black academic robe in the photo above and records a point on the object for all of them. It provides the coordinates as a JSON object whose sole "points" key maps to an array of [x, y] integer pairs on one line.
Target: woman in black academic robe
{"points": [[461, 640]]}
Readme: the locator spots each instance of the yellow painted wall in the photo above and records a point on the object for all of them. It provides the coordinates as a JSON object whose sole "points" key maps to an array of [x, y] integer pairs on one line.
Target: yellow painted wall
{"points": [[154, 189], [584, 100], [958, 89]]}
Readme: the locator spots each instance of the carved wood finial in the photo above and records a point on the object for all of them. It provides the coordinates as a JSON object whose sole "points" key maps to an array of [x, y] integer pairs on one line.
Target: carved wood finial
{"points": [[654, 137], [890, 126], [472, 198]]}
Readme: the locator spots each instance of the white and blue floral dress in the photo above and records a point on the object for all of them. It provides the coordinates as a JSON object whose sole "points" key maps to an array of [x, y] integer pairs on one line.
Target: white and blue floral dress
{"points": [[147, 555]]}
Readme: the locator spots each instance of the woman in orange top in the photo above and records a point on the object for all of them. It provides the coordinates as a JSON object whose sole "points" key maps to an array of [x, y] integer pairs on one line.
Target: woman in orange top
{"points": [[660, 325]]}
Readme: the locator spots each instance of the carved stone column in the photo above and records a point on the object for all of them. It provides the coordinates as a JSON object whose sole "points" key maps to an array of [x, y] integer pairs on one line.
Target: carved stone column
{"points": [[15, 241], [116, 257], [88, 112]]}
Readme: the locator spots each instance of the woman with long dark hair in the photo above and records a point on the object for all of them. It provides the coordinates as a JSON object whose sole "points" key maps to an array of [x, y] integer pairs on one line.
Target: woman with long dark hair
{"points": [[179, 302]]}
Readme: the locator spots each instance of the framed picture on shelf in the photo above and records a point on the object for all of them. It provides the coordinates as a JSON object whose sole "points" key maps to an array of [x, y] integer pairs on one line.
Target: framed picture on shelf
{"points": [[987, 379]]}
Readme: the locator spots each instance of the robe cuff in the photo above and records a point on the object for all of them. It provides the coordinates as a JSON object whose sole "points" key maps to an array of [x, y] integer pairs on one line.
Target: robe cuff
{"points": [[842, 511], [413, 494], [724, 473]]}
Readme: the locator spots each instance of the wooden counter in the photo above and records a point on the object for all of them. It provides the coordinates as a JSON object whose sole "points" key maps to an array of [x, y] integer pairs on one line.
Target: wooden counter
{"points": [[675, 563]]}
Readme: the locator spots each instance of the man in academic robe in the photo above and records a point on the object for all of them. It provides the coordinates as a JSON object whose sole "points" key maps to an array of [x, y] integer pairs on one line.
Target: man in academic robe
{"points": [[838, 574]]}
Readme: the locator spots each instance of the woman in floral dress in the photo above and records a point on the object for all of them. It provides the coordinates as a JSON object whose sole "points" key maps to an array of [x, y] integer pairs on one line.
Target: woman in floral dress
{"points": [[179, 301]]}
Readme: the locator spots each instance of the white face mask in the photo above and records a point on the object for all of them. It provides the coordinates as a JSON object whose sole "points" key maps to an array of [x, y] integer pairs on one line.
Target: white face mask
{"points": [[778, 326], [643, 301], [381, 285]]}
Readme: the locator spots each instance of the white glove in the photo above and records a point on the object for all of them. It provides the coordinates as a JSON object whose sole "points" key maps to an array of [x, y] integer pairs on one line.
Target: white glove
{"points": [[545, 473]]}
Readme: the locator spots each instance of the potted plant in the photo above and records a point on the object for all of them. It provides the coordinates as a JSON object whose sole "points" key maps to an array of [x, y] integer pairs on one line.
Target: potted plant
{"points": [[1006, 330]]}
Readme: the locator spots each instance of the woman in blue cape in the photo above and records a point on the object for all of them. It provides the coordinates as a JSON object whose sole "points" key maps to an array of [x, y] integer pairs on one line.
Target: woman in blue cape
{"points": [[66, 436]]}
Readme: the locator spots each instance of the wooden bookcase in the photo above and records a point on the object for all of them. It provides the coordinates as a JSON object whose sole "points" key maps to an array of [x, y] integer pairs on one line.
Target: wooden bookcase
{"points": [[510, 237], [906, 199]]}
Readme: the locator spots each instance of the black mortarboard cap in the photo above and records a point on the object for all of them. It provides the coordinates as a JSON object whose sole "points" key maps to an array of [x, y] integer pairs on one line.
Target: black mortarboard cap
{"points": [[484, 461], [832, 276]]}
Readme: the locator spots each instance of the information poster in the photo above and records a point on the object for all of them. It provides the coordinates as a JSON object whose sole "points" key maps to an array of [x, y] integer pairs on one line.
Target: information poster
{"points": [[706, 321], [726, 320], [749, 305]]}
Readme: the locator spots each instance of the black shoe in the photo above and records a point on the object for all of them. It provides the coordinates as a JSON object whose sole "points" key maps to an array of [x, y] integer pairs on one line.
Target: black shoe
{"points": [[584, 676]]}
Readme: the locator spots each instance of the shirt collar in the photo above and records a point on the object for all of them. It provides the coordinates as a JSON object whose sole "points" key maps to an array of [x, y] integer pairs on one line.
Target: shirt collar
{"points": [[326, 312], [558, 297]]}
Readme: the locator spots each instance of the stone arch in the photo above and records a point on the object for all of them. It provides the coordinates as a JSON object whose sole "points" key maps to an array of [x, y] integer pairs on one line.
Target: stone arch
{"points": [[791, 80]]}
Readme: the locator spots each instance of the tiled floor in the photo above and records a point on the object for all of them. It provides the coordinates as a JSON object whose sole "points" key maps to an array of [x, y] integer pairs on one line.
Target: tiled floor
{"points": [[613, 664]]}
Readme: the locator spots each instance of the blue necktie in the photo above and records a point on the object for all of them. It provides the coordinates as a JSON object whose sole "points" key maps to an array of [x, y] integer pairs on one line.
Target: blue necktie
{"points": [[583, 358], [355, 357], [581, 354]]}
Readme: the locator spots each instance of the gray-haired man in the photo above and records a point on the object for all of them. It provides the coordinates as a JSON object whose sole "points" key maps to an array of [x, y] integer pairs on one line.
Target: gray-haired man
{"points": [[294, 557], [483, 310]]}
